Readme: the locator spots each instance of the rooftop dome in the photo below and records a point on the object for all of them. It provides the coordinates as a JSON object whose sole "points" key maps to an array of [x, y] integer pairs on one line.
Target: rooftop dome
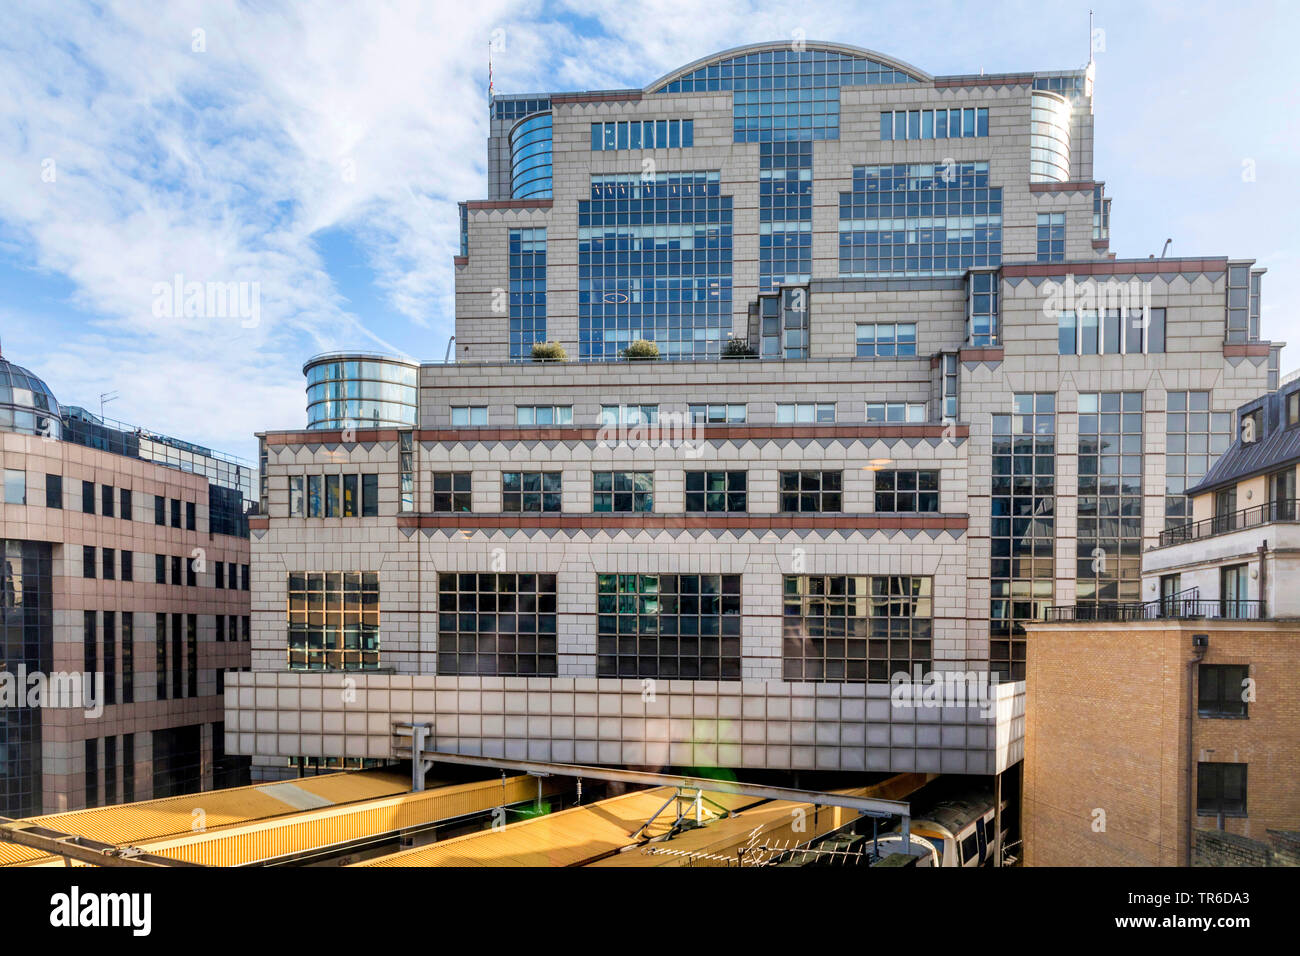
{"points": [[26, 403]]}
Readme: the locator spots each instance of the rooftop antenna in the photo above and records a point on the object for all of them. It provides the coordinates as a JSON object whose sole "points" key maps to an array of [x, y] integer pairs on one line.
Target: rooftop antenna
{"points": [[104, 399], [1166, 248]]}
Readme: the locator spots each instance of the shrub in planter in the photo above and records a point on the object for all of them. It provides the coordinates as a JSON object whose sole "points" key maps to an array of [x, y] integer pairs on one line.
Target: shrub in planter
{"points": [[641, 349], [549, 352], [737, 348]]}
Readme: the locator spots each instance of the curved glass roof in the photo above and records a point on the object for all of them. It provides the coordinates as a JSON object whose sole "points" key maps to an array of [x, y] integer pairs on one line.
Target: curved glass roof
{"points": [[26, 403]]}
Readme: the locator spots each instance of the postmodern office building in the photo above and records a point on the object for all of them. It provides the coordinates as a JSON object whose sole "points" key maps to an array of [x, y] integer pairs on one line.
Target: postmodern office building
{"points": [[906, 399], [124, 592]]}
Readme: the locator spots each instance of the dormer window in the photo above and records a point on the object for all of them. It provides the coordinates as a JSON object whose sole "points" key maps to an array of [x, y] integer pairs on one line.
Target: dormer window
{"points": [[1252, 427], [1293, 409]]}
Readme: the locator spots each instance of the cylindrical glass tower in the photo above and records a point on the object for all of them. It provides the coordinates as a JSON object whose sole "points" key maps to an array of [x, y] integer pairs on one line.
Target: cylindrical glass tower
{"points": [[1049, 138], [361, 390], [530, 157]]}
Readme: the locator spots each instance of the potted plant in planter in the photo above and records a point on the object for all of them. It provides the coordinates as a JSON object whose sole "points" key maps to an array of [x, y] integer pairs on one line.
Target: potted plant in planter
{"points": [[549, 352], [642, 349], [737, 348]]}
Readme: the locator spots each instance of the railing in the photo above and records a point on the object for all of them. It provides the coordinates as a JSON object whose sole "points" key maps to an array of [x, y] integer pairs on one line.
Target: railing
{"points": [[1181, 606], [1284, 509]]}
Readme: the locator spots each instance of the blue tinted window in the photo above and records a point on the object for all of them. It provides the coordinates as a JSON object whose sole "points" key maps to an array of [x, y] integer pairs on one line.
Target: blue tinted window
{"points": [[527, 253]]}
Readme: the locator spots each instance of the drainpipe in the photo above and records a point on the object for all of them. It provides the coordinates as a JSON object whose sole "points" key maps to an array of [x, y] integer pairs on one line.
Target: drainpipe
{"points": [[1263, 579], [1200, 644]]}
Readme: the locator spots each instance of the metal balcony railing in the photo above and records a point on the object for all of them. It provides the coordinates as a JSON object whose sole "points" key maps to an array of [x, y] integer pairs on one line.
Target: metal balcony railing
{"points": [[1181, 606], [1284, 509]]}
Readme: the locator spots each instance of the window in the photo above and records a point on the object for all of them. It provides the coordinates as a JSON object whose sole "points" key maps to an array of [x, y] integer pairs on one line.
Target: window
{"points": [[452, 491], [128, 666], [315, 497], [1234, 593], [1221, 789], [124, 498], [1113, 332], [176, 513], [629, 415], [1051, 237], [622, 491], [160, 656], [128, 565], [159, 569], [232, 576], [88, 497], [406, 471], [106, 500], [54, 491], [717, 414], [1110, 465], [159, 510], [462, 415], [1221, 690], [15, 487], [297, 503], [92, 772], [805, 412], [1282, 495], [87, 561], [333, 621], [370, 496], [898, 491], [219, 574], [497, 624], [1194, 439], [332, 504], [1238, 304], [192, 654], [811, 491], [191, 575], [643, 134], [895, 411], [668, 625], [176, 571], [543, 414], [108, 561], [530, 491], [951, 397], [190, 517], [934, 124], [243, 577], [855, 628], [886, 339], [721, 491], [350, 496], [982, 310]]}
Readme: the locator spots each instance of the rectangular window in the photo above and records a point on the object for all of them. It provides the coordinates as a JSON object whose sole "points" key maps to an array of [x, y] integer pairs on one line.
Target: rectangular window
{"points": [[982, 310], [1238, 304], [128, 565], [406, 471], [297, 503], [530, 491], [191, 574], [109, 564], [1234, 583], [350, 496], [87, 561], [191, 523], [629, 415], [232, 580], [668, 625], [370, 496], [90, 642], [717, 414], [497, 624], [176, 571], [332, 496], [333, 621], [805, 413], [463, 415], [92, 772], [855, 628], [895, 411], [128, 660], [88, 497], [907, 491], [1110, 428], [315, 500], [622, 491], [717, 491], [128, 768], [1221, 789], [15, 487], [221, 627], [811, 491], [192, 654], [124, 499], [54, 491], [543, 414], [1221, 690], [160, 656], [110, 657], [1051, 237], [159, 569], [886, 339], [243, 577], [110, 770], [219, 575], [176, 512], [159, 510], [452, 491], [178, 657], [106, 500]]}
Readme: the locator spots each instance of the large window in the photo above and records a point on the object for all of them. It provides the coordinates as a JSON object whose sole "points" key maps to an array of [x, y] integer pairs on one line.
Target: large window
{"points": [[895, 411], [668, 625], [886, 339], [530, 491], [805, 413], [543, 414], [715, 491], [643, 134], [907, 491], [1109, 561], [629, 415], [333, 620], [1221, 789], [1221, 690], [452, 491], [1111, 332], [463, 415], [934, 124], [717, 414], [1051, 237], [15, 487], [812, 491], [1194, 439], [622, 491], [54, 491], [500, 625], [855, 628], [527, 294]]}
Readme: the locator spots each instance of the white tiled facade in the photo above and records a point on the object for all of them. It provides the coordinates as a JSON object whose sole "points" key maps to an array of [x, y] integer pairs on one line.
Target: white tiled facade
{"points": [[761, 719]]}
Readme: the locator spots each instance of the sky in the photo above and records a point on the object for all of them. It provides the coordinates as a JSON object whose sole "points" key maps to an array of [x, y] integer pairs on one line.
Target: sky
{"points": [[319, 151]]}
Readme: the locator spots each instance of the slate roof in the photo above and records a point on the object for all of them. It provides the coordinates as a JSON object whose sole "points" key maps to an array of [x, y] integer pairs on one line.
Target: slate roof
{"points": [[1277, 447]]}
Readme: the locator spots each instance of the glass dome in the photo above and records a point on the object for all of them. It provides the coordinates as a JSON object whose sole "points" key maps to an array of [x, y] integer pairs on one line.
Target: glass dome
{"points": [[26, 403]]}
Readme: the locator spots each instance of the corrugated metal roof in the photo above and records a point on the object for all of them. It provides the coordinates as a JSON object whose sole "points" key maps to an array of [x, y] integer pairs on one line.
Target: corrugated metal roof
{"points": [[568, 838], [133, 823]]}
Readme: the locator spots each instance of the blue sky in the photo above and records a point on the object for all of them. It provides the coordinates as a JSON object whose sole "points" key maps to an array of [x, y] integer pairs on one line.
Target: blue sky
{"points": [[319, 150]]}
